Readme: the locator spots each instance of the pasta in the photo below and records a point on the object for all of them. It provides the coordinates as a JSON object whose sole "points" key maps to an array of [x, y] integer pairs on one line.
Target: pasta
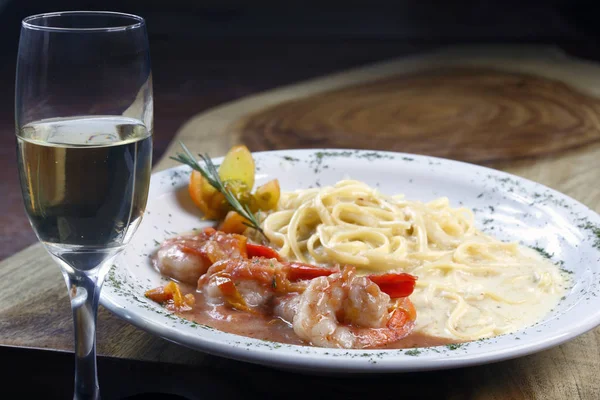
{"points": [[470, 285]]}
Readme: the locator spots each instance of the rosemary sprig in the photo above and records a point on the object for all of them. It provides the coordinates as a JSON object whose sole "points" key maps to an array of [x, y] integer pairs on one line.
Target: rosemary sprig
{"points": [[210, 173]]}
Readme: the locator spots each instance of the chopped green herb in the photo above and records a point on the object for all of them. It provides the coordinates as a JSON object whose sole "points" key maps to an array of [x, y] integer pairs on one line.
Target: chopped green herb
{"points": [[594, 230], [374, 155], [322, 154], [543, 252], [413, 352], [567, 271]]}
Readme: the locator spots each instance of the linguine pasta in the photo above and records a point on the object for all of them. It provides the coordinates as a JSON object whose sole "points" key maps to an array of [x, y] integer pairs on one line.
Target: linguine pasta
{"points": [[470, 285]]}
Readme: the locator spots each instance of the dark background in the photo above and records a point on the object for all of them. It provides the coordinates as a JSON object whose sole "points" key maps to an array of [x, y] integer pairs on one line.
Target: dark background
{"points": [[208, 52]]}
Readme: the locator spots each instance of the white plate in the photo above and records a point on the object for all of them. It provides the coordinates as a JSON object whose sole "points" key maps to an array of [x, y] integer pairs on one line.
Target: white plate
{"points": [[519, 210]]}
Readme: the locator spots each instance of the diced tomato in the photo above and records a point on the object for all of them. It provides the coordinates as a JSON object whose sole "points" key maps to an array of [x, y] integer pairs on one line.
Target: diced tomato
{"points": [[209, 230], [177, 296], [158, 295], [395, 285], [233, 223], [171, 293], [226, 286], [207, 198]]}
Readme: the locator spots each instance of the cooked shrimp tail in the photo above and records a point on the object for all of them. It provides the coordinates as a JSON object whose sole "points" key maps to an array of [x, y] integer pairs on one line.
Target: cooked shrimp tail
{"points": [[348, 311], [401, 323]]}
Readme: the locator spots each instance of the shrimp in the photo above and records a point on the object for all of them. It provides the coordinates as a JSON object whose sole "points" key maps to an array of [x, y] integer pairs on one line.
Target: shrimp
{"points": [[251, 284], [348, 311], [186, 258], [326, 307]]}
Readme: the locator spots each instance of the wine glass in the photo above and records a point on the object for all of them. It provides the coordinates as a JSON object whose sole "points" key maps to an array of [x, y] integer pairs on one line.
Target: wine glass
{"points": [[84, 118]]}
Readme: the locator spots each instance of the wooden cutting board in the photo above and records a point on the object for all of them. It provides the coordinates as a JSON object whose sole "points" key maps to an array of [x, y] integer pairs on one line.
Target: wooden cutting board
{"points": [[531, 111]]}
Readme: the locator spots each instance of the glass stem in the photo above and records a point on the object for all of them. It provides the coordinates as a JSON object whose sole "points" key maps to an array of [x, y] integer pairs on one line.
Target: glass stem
{"points": [[84, 290]]}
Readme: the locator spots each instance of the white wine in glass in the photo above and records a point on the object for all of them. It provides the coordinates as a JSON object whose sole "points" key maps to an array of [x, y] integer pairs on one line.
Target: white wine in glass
{"points": [[84, 119]]}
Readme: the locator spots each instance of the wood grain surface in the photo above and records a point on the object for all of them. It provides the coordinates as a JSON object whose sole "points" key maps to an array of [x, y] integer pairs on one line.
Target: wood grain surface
{"points": [[478, 115], [537, 113]]}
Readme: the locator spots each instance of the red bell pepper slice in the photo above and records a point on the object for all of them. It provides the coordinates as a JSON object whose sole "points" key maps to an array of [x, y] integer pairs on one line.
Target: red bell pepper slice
{"points": [[395, 285], [301, 271], [256, 250]]}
